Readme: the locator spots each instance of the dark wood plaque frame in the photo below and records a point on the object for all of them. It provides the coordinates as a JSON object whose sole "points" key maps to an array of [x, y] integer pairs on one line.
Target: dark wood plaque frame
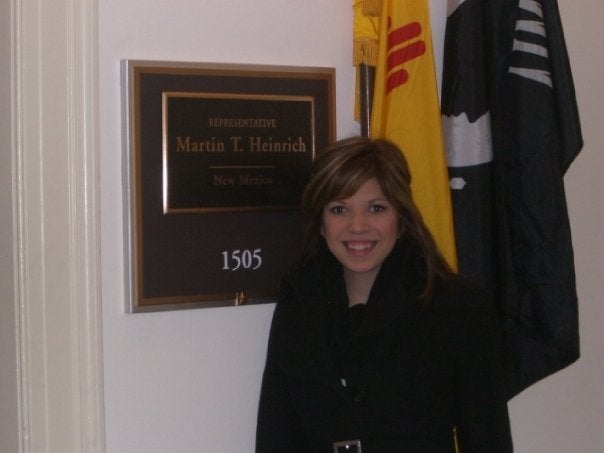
{"points": [[215, 160]]}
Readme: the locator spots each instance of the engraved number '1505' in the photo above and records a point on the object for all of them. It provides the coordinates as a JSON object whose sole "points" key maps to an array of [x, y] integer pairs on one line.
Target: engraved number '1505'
{"points": [[241, 259]]}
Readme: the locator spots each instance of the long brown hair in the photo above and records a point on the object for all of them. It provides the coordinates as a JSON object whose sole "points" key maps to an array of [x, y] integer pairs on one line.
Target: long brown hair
{"points": [[341, 169]]}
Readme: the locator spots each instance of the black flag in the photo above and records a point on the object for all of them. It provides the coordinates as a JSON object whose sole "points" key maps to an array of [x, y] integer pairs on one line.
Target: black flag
{"points": [[511, 131]]}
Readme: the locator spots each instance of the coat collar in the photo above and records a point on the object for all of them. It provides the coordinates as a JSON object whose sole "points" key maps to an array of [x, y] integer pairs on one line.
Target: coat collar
{"points": [[315, 298], [397, 286]]}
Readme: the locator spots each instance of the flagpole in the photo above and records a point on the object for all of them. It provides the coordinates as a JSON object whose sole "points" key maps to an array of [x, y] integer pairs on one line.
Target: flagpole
{"points": [[367, 78]]}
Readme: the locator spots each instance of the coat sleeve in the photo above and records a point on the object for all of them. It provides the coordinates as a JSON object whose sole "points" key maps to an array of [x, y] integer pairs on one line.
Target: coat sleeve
{"points": [[483, 423], [278, 426]]}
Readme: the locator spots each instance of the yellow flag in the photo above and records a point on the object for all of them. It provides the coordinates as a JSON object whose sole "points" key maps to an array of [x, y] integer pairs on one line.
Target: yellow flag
{"points": [[406, 112]]}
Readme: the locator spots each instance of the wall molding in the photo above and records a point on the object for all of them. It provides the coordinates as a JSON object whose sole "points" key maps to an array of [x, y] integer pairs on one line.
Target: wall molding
{"points": [[55, 182]]}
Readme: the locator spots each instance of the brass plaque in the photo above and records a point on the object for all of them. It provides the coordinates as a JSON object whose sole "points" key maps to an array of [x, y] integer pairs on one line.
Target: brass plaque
{"points": [[215, 160]]}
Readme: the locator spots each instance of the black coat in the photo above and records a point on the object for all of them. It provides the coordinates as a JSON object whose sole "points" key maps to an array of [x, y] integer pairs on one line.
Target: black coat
{"points": [[397, 373]]}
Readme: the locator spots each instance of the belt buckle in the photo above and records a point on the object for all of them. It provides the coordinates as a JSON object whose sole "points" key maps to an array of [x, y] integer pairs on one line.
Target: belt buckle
{"points": [[347, 446]]}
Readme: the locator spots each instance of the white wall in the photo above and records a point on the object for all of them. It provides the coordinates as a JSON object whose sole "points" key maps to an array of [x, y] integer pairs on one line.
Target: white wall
{"points": [[187, 381]]}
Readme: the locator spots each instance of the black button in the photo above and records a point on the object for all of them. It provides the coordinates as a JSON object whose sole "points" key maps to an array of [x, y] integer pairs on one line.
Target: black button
{"points": [[349, 446], [360, 396]]}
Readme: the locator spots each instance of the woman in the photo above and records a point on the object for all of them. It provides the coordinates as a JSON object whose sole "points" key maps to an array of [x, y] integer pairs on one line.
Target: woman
{"points": [[375, 343]]}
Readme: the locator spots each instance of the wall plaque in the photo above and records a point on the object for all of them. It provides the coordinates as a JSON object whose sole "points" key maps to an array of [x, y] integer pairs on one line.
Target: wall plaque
{"points": [[215, 160]]}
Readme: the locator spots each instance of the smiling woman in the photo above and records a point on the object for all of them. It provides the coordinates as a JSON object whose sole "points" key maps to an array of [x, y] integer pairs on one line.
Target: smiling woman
{"points": [[360, 231], [341, 170], [375, 343]]}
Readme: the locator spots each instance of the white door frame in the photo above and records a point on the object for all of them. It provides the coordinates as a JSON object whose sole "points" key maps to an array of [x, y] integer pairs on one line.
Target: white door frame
{"points": [[55, 184]]}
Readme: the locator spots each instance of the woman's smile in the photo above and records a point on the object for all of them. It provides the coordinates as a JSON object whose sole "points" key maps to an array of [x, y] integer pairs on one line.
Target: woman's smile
{"points": [[359, 247]]}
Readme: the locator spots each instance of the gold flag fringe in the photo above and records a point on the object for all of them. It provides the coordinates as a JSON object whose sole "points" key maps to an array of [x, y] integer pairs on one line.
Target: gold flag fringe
{"points": [[371, 7], [365, 43], [365, 51]]}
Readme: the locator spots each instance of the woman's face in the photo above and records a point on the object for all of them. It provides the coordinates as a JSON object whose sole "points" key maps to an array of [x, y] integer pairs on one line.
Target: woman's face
{"points": [[361, 230]]}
